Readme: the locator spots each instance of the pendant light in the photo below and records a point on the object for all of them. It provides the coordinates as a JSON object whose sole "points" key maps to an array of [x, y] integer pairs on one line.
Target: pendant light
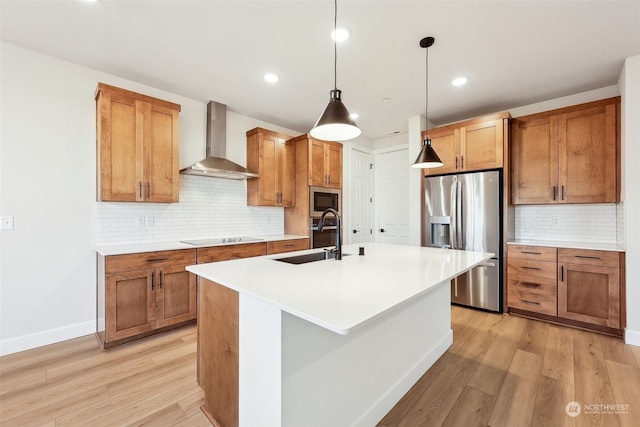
{"points": [[335, 124], [427, 157]]}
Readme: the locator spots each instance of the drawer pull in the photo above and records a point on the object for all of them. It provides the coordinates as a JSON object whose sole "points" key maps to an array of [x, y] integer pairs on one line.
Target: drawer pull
{"points": [[156, 259], [289, 245], [530, 285], [530, 302], [587, 257], [532, 253], [531, 268]]}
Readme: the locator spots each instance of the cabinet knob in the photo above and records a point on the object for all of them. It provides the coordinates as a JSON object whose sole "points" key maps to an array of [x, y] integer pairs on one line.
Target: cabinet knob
{"points": [[382, 230]]}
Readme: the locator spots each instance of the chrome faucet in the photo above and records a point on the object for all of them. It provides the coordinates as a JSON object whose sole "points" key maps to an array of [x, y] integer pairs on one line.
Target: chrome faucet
{"points": [[338, 250]]}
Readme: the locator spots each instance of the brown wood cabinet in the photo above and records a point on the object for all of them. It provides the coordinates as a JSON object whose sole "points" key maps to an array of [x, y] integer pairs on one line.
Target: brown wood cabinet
{"points": [[472, 145], [569, 155], [144, 293], [280, 246], [272, 156], [322, 161], [228, 252], [137, 147], [589, 286], [576, 287], [532, 279]]}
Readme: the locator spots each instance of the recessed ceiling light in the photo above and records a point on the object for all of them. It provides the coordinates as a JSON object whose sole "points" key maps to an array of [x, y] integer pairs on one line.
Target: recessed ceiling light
{"points": [[459, 81], [354, 116], [386, 99], [271, 78], [340, 34]]}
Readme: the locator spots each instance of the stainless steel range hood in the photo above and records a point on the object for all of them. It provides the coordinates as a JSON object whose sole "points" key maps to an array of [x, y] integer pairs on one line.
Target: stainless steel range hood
{"points": [[216, 164]]}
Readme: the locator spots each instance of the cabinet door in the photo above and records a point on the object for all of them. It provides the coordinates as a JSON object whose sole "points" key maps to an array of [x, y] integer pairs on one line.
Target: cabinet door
{"points": [[589, 294], [161, 141], [130, 304], [268, 153], [446, 144], [534, 161], [588, 155], [119, 128], [333, 165], [286, 173], [481, 146], [317, 174], [175, 296]]}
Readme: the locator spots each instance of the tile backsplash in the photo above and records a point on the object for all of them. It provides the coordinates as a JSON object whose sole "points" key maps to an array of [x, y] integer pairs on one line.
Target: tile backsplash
{"points": [[208, 207], [589, 223]]}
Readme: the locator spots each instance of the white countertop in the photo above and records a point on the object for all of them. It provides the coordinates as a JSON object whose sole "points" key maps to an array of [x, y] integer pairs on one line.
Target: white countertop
{"points": [[174, 245], [570, 245], [342, 295]]}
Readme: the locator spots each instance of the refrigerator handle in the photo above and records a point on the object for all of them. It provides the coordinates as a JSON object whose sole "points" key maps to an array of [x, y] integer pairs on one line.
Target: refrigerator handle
{"points": [[453, 232], [459, 231]]}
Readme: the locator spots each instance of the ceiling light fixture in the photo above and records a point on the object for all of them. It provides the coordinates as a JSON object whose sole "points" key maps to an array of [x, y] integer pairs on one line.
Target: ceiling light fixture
{"points": [[271, 78], [459, 81], [427, 157], [335, 124], [340, 34]]}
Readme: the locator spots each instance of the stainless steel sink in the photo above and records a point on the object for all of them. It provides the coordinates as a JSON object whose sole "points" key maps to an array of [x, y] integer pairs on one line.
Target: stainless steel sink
{"points": [[303, 259]]}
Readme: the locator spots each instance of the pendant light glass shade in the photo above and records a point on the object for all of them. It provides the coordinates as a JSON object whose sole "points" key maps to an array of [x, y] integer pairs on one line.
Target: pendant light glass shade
{"points": [[335, 124], [427, 157]]}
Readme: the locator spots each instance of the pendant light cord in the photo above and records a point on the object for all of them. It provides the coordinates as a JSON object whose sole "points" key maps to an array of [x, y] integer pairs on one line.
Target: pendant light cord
{"points": [[335, 45], [426, 92]]}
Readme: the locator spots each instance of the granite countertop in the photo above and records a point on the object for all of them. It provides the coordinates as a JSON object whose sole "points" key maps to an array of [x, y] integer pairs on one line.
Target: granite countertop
{"points": [[342, 295], [570, 245], [107, 250]]}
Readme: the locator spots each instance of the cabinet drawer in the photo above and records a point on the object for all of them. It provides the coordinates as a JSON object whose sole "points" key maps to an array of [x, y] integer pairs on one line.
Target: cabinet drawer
{"points": [[287, 246], [540, 253], [146, 260], [228, 252], [527, 267], [533, 294], [589, 257]]}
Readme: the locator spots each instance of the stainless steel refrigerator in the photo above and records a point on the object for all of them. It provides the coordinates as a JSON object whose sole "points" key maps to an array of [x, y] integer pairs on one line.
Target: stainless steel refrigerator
{"points": [[464, 212]]}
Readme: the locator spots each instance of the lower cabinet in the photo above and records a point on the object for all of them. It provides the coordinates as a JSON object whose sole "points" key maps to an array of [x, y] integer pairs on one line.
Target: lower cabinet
{"points": [[589, 287], [141, 294], [582, 288]]}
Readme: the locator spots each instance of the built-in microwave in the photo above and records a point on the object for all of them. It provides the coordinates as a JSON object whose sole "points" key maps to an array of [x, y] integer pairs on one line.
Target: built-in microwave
{"points": [[321, 198]]}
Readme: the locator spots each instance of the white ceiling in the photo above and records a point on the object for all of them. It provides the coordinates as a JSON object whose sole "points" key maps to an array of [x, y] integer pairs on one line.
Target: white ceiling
{"points": [[514, 52]]}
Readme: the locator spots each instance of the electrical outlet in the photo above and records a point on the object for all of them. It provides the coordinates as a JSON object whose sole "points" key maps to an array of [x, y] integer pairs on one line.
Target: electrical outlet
{"points": [[556, 220], [6, 222], [149, 221], [140, 221]]}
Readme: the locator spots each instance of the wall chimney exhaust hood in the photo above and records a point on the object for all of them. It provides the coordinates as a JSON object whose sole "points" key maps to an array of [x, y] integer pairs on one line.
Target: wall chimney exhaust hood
{"points": [[216, 164]]}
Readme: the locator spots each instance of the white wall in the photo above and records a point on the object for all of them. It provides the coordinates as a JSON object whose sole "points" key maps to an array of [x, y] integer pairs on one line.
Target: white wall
{"points": [[47, 182], [630, 89]]}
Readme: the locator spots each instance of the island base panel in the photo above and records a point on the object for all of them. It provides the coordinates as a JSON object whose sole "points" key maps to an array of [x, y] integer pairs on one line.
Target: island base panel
{"points": [[354, 380]]}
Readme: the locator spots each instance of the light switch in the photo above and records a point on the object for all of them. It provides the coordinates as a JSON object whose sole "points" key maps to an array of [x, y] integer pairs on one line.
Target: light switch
{"points": [[6, 222]]}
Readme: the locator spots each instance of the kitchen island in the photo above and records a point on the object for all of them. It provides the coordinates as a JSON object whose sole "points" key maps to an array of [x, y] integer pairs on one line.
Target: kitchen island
{"points": [[325, 343]]}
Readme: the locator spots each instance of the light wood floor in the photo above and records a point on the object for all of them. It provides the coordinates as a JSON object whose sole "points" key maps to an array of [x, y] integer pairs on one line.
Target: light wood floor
{"points": [[500, 371]]}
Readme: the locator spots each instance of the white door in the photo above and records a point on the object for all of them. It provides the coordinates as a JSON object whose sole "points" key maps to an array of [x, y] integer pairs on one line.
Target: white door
{"points": [[360, 197], [392, 202]]}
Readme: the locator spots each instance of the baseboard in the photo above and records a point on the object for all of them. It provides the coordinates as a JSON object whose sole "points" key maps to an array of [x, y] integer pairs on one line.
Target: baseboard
{"points": [[386, 402], [632, 337], [50, 336]]}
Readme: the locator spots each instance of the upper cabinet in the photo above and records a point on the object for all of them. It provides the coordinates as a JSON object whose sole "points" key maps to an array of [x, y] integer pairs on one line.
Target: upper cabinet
{"points": [[325, 163], [569, 155], [472, 145], [137, 147], [272, 156]]}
